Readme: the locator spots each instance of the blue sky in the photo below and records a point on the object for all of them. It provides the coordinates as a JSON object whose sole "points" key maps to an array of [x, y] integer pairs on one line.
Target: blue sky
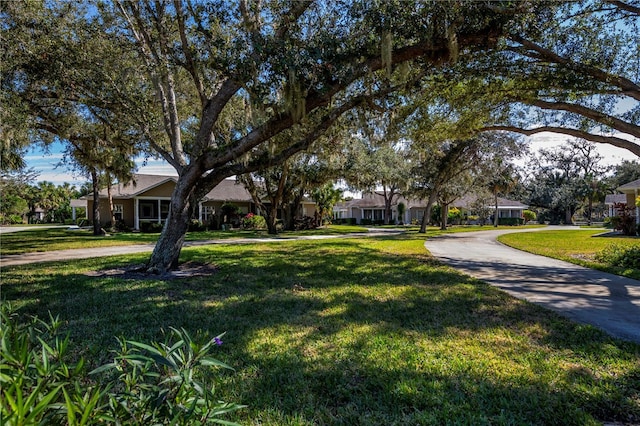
{"points": [[48, 165], [50, 169]]}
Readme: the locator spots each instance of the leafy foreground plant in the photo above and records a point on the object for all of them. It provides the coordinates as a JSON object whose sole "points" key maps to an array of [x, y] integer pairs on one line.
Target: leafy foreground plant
{"points": [[161, 383], [620, 256]]}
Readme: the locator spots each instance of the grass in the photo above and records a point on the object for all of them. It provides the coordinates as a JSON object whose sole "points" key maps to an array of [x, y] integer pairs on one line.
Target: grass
{"points": [[39, 240], [356, 331], [578, 247]]}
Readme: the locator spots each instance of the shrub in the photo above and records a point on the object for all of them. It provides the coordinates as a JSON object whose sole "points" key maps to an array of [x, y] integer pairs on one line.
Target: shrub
{"points": [[15, 219], [345, 221], [366, 221], [160, 383], [529, 215], [150, 227], [196, 226], [622, 256], [510, 221], [305, 222], [625, 220], [253, 221], [454, 215]]}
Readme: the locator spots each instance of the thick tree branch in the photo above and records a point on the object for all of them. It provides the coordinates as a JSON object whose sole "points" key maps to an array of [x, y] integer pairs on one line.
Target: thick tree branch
{"points": [[216, 104], [436, 54], [625, 6], [628, 87], [611, 140], [602, 118], [190, 64]]}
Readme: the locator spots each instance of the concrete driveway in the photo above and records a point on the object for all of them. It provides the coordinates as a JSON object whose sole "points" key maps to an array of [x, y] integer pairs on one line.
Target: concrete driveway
{"points": [[607, 301]]}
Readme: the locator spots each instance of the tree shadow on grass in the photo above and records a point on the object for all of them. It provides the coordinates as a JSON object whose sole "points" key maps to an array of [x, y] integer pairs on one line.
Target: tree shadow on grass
{"points": [[343, 333]]}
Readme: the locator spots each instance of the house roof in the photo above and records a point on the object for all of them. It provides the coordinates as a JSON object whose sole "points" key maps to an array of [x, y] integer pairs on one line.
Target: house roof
{"points": [[139, 185], [229, 190], [615, 198], [375, 200], [630, 187], [503, 203]]}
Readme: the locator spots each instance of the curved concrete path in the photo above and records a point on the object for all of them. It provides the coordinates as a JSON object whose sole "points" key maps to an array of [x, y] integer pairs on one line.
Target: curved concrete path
{"points": [[607, 301]]}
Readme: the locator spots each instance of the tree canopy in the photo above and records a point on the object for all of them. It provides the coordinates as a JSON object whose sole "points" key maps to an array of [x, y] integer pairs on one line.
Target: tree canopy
{"points": [[574, 72], [209, 86]]}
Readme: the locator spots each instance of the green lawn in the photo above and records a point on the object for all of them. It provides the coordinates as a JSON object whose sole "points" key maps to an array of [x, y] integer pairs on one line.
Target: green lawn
{"points": [[579, 247], [37, 240], [356, 331]]}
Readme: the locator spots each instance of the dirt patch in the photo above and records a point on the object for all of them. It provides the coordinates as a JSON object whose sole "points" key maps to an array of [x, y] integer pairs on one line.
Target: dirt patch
{"points": [[138, 272]]}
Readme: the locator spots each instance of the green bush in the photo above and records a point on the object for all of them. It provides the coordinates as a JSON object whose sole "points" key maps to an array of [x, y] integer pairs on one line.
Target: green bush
{"points": [[253, 221], [454, 215], [621, 256], [161, 383], [510, 221], [345, 221], [196, 226], [15, 219], [150, 227], [529, 215]]}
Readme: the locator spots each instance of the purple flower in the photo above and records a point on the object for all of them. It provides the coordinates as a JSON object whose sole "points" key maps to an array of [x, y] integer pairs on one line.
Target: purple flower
{"points": [[217, 341]]}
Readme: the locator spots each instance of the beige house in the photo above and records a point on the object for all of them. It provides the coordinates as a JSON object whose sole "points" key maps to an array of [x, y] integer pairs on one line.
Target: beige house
{"points": [[371, 208], [632, 191], [148, 197]]}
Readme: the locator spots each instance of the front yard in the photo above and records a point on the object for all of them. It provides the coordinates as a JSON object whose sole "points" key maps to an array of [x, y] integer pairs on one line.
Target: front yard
{"points": [[365, 331], [580, 247]]}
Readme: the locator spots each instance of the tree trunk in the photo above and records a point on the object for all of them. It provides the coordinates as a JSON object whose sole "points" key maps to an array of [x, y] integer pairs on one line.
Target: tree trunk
{"points": [[96, 203], [272, 219], [427, 212], [387, 211], [292, 211], [496, 216], [166, 253], [568, 215], [590, 211], [444, 214], [110, 198]]}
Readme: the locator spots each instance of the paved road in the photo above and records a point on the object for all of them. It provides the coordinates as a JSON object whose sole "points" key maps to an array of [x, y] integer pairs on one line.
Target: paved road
{"points": [[607, 301]]}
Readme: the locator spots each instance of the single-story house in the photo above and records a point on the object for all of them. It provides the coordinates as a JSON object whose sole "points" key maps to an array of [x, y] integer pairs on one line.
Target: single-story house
{"points": [[631, 191], [147, 199], [506, 208], [371, 207]]}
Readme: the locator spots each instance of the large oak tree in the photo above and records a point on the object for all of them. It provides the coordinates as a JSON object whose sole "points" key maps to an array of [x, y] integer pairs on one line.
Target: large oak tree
{"points": [[229, 77]]}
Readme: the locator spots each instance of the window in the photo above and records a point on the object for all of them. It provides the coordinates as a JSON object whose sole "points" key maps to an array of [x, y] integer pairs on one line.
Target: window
{"points": [[208, 212], [373, 214], [148, 209], [118, 212], [164, 208]]}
